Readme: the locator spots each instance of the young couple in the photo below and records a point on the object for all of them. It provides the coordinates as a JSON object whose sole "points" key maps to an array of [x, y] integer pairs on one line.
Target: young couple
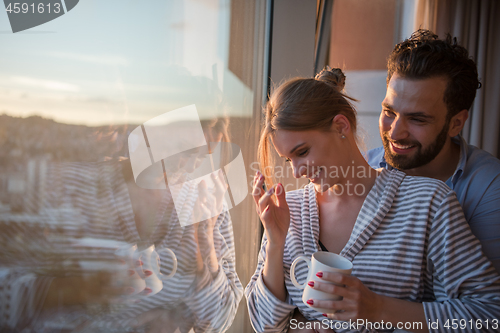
{"points": [[415, 259]]}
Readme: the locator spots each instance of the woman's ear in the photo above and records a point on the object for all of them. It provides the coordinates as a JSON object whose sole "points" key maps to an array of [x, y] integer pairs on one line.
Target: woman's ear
{"points": [[341, 124]]}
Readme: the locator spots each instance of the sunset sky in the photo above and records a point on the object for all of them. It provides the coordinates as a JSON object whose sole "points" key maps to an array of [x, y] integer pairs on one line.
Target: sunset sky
{"points": [[118, 61]]}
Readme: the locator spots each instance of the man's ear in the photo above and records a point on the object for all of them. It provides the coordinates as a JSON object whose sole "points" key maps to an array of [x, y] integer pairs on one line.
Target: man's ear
{"points": [[341, 124], [457, 123]]}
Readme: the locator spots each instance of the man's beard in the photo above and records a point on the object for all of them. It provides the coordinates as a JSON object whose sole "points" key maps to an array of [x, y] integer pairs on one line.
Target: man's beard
{"points": [[418, 159]]}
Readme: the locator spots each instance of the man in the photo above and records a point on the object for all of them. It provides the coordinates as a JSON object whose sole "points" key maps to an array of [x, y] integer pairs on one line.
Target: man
{"points": [[431, 85]]}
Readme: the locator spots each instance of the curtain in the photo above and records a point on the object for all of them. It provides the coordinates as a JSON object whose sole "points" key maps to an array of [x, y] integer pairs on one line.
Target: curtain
{"points": [[476, 24]]}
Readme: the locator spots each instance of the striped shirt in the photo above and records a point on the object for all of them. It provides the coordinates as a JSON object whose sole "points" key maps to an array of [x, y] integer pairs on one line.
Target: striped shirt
{"points": [[410, 241], [98, 202]]}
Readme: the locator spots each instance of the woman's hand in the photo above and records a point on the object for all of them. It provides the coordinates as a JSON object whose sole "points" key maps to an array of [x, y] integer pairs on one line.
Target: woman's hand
{"points": [[276, 220], [301, 325], [208, 207], [358, 301], [210, 202], [274, 216]]}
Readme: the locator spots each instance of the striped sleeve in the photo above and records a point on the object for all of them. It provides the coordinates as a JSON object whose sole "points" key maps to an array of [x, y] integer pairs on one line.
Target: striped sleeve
{"points": [[22, 295], [215, 300], [267, 313], [465, 284]]}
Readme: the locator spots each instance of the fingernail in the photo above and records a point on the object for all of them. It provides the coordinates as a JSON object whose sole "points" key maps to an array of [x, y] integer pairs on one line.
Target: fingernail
{"points": [[319, 274], [325, 315], [148, 290], [148, 273], [310, 302], [271, 191], [311, 284], [138, 263], [131, 272], [129, 290]]}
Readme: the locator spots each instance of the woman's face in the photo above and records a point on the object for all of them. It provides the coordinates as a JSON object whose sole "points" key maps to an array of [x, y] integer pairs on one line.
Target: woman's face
{"points": [[190, 160], [317, 155]]}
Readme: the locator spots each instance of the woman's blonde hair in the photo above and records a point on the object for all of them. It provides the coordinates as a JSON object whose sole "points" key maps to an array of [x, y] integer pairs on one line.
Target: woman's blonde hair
{"points": [[302, 104]]}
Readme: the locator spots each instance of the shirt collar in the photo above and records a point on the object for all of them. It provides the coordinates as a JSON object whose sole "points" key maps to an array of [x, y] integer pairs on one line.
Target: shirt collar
{"points": [[462, 160]]}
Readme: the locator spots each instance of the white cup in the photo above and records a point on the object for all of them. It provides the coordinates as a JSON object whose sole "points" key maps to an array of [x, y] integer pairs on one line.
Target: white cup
{"points": [[320, 261], [151, 261], [126, 254]]}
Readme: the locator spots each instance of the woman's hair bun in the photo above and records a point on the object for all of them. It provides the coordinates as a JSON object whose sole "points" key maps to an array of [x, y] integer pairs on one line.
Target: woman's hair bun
{"points": [[333, 76]]}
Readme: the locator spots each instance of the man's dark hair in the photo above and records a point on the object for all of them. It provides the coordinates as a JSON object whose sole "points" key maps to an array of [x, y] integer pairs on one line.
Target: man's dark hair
{"points": [[424, 56]]}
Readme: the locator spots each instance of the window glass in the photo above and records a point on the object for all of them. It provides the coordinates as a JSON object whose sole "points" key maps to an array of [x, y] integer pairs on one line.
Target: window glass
{"points": [[127, 131]]}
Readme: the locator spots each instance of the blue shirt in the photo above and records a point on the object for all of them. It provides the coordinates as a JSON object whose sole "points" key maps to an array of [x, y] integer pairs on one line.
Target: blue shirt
{"points": [[476, 181]]}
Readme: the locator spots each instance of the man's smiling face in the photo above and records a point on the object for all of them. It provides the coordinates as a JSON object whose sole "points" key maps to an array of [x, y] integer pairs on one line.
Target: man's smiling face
{"points": [[413, 123]]}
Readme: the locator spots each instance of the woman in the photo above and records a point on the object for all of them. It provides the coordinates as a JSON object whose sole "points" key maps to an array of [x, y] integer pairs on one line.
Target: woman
{"points": [[414, 257]]}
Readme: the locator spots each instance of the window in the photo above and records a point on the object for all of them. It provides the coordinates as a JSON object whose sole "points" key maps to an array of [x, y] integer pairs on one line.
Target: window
{"points": [[72, 91]]}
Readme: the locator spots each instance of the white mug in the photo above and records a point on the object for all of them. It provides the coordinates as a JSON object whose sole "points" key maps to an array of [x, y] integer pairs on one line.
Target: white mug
{"points": [[126, 254], [320, 261], [151, 261]]}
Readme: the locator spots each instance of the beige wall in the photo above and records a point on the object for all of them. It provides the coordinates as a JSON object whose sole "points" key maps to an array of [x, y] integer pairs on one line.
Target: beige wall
{"points": [[362, 34]]}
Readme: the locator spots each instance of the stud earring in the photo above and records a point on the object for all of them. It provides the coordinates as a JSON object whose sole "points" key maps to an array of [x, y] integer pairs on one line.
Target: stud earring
{"points": [[342, 136]]}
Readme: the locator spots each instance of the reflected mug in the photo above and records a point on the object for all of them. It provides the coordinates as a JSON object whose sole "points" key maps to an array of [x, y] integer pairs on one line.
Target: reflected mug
{"points": [[320, 261], [126, 255], [150, 259]]}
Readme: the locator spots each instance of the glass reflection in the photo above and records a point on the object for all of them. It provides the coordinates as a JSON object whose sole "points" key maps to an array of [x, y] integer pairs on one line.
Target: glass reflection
{"points": [[74, 219], [76, 256]]}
